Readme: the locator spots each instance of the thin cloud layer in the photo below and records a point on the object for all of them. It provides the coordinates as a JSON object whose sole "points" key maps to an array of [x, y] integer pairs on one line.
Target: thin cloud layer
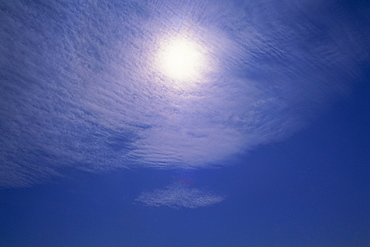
{"points": [[80, 86], [179, 195]]}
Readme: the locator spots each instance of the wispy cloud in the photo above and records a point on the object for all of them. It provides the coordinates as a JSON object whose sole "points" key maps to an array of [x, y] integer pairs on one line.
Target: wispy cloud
{"points": [[179, 195], [80, 88]]}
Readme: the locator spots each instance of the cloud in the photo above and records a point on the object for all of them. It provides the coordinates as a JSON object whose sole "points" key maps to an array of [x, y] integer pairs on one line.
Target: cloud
{"points": [[179, 195], [80, 87]]}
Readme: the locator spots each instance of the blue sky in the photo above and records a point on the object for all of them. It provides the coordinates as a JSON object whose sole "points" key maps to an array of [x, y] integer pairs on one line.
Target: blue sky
{"points": [[266, 144]]}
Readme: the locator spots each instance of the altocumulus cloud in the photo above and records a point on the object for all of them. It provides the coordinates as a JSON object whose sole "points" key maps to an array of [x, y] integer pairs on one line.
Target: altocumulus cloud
{"points": [[179, 195], [80, 87]]}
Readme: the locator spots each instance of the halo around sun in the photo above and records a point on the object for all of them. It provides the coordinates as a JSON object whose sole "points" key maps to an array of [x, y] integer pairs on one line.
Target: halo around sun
{"points": [[181, 59]]}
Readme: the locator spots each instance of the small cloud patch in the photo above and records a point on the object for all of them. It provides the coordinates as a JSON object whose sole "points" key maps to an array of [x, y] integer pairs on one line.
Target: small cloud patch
{"points": [[179, 195]]}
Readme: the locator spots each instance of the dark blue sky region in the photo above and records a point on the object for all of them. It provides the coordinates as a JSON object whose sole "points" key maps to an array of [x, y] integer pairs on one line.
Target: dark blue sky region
{"points": [[264, 141]]}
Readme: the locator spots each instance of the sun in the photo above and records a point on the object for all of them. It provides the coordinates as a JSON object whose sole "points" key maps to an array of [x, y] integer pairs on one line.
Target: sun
{"points": [[181, 59]]}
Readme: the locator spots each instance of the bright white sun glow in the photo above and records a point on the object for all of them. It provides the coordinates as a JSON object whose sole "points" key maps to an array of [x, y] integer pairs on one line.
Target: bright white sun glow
{"points": [[181, 60]]}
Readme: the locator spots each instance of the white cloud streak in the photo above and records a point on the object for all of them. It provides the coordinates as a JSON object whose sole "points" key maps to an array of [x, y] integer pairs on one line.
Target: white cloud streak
{"points": [[80, 88], [177, 196]]}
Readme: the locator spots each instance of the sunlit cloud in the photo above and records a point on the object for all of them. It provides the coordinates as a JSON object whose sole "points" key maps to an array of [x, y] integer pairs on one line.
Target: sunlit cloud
{"points": [[179, 195], [82, 87]]}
